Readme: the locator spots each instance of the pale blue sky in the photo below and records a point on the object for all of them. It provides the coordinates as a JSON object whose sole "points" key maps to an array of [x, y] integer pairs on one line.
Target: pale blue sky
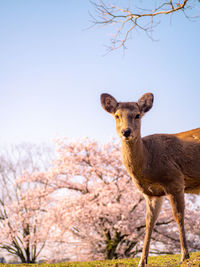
{"points": [[52, 72]]}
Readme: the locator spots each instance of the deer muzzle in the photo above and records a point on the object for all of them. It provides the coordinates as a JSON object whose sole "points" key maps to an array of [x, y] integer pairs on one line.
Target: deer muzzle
{"points": [[126, 133]]}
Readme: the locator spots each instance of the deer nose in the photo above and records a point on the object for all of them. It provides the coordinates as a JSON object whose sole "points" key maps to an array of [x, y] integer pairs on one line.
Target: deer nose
{"points": [[126, 132]]}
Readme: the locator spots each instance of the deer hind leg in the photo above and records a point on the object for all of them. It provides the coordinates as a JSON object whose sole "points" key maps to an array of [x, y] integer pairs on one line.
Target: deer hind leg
{"points": [[153, 206], [178, 206]]}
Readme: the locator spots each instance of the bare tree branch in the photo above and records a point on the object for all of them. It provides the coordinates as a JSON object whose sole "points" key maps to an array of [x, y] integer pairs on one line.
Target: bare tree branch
{"points": [[127, 19]]}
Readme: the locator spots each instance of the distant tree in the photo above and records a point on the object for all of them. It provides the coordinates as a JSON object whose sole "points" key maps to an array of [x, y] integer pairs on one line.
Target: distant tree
{"points": [[97, 212], [128, 16], [22, 231]]}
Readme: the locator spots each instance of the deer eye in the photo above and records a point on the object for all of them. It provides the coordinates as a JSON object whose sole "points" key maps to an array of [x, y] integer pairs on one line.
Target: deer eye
{"points": [[137, 116], [116, 117]]}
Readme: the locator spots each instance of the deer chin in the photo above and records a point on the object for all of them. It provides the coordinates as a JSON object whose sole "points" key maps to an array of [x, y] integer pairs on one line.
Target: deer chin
{"points": [[129, 138]]}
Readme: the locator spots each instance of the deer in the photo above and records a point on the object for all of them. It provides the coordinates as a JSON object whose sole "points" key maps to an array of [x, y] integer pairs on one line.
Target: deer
{"points": [[159, 164]]}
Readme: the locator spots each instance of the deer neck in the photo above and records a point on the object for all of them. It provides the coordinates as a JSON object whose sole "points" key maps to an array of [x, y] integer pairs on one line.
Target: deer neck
{"points": [[133, 154]]}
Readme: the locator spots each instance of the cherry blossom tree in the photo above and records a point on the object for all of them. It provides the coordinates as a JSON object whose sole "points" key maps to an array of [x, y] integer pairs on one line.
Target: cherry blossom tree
{"points": [[96, 212], [22, 214], [84, 206]]}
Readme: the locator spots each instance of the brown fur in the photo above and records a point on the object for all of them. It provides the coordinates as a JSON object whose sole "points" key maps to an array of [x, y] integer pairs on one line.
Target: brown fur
{"points": [[159, 164]]}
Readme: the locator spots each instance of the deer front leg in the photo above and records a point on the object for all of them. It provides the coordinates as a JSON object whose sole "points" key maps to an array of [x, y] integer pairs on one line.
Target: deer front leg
{"points": [[178, 205], [153, 205]]}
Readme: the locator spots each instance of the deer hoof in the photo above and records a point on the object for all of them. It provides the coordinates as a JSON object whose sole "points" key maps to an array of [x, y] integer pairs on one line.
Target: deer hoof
{"points": [[185, 257], [141, 264]]}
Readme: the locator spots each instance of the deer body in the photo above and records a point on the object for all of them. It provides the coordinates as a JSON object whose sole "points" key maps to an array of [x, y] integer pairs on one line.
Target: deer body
{"points": [[156, 166], [160, 164]]}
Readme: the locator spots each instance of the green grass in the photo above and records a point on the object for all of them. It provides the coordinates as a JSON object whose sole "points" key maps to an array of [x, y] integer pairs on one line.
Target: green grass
{"points": [[161, 261]]}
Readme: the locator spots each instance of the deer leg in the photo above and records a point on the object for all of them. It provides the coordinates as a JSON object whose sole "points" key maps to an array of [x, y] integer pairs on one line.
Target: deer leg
{"points": [[153, 205], [178, 206]]}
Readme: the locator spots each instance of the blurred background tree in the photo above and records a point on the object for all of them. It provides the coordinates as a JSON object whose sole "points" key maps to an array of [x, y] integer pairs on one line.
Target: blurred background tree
{"points": [[21, 216]]}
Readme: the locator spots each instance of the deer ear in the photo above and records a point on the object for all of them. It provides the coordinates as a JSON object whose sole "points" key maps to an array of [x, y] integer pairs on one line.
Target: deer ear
{"points": [[145, 103], [108, 103]]}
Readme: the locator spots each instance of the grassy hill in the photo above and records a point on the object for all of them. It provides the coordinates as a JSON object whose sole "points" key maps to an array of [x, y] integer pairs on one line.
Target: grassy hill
{"points": [[161, 261]]}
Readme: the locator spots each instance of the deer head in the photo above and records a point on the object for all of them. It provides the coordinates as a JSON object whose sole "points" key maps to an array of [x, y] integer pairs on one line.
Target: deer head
{"points": [[127, 114]]}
